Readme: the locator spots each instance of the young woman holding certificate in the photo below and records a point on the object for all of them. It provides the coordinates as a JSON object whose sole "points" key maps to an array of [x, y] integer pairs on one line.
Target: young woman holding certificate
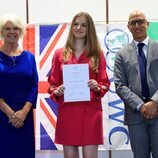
{"points": [[79, 123]]}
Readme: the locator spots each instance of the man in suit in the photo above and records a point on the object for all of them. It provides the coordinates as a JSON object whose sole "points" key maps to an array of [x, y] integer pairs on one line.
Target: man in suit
{"points": [[136, 82]]}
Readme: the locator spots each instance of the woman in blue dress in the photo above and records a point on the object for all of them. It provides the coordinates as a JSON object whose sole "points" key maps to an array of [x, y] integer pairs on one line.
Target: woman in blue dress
{"points": [[18, 92]]}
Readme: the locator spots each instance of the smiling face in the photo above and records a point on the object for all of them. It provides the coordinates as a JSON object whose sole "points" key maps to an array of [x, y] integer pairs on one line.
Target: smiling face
{"points": [[10, 33], [138, 25], [80, 28]]}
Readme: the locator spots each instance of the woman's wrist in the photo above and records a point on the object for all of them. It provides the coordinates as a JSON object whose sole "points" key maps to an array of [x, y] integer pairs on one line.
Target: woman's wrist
{"points": [[27, 107], [10, 114], [98, 89]]}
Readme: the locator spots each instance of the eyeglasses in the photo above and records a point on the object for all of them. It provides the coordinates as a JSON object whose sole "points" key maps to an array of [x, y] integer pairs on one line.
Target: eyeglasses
{"points": [[140, 22]]}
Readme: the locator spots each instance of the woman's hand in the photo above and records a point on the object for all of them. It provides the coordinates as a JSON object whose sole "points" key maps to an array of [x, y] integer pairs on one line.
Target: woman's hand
{"points": [[17, 119], [93, 84], [59, 91]]}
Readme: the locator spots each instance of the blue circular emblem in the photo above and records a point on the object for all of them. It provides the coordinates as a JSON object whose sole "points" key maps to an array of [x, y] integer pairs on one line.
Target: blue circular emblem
{"points": [[116, 39]]}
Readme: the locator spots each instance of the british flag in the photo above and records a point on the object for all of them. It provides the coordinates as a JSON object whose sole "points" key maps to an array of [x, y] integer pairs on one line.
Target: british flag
{"points": [[42, 40]]}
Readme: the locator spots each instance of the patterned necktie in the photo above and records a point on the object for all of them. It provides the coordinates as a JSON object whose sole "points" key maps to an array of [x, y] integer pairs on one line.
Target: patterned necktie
{"points": [[142, 67]]}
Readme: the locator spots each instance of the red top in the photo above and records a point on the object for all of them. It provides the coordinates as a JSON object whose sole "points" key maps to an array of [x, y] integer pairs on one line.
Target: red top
{"points": [[87, 114]]}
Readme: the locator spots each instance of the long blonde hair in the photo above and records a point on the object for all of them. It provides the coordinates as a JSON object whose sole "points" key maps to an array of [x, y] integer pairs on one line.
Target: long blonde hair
{"points": [[92, 45]]}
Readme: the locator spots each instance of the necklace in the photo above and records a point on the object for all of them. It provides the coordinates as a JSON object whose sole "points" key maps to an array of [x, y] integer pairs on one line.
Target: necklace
{"points": [[14, 60]]}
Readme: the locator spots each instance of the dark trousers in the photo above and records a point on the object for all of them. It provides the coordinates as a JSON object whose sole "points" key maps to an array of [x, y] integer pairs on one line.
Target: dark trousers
{"points": [[144, 138]]}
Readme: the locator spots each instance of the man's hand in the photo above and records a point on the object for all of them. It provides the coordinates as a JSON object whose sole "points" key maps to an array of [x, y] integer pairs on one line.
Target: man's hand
{"points": [[149, 110]]}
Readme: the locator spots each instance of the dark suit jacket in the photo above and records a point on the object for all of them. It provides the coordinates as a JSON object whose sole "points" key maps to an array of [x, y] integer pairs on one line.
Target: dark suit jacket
{"points": [[127, 78]]}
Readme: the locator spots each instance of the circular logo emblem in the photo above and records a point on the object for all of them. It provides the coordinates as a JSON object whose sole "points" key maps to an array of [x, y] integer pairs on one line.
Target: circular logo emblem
{"points": [[115, 40]]}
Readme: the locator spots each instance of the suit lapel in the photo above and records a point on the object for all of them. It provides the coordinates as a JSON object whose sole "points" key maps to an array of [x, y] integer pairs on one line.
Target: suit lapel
{"points": [[150, 55], [133, 56]]}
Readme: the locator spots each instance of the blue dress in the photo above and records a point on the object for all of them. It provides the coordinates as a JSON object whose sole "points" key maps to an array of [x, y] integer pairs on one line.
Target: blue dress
{"points": [[18, 84]]}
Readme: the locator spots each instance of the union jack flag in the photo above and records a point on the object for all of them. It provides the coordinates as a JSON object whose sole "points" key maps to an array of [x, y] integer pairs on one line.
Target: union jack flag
{"points": [[42, 40]]}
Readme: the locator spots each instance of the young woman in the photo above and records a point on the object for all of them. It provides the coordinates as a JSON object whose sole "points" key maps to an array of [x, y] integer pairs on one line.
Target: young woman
{"points": [[80, 123]]}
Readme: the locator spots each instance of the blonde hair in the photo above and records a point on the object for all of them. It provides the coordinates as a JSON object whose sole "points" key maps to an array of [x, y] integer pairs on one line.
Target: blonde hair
{"points": [[15, 19], [92, 45]]}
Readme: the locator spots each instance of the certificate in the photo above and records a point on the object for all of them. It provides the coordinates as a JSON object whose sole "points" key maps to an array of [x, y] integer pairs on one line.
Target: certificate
{"points": [[75, 79]]}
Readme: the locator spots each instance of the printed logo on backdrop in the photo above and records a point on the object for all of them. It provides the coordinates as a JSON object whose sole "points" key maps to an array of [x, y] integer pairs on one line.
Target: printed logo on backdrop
{"points": [[117, 134], [114, 40]]}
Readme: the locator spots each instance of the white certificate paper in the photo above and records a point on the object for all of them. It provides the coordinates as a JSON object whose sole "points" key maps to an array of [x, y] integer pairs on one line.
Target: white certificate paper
{"points": [[75, 79]]}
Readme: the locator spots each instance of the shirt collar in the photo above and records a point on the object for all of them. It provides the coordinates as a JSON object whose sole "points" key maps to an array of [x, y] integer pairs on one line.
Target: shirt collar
{"points": [[145, 41]]}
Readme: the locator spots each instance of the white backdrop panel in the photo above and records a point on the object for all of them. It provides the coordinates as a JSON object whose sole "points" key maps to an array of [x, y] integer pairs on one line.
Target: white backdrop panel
{"points": [[13, 6], [119, 10], [58, 11]]}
